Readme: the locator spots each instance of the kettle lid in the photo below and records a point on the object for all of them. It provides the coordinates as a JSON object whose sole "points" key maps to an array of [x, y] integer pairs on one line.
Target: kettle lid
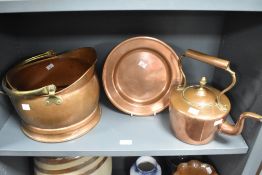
{"points": [[200, 101], [199, 95]]}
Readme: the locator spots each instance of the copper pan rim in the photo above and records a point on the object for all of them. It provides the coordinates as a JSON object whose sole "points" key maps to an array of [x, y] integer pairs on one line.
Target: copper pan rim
{"points": [[67, 135], [158, 104]]}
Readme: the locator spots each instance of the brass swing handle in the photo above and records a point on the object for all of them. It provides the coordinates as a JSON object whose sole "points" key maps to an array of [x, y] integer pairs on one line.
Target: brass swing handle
{"points": [[217, 62], [13, 91], [39, 57], [42, 56], [48, 90]]}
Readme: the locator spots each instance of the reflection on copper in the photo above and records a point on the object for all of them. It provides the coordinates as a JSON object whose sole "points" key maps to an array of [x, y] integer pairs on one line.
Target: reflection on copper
{"points": [[69, 109], [197, 112], [139, 74]]}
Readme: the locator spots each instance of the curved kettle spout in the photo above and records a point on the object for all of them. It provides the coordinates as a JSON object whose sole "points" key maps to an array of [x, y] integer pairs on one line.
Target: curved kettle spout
{"points": [[237, 129]]}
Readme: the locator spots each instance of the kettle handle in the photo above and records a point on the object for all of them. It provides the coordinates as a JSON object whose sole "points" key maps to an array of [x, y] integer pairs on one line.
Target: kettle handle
{"points": [[217, 62]]}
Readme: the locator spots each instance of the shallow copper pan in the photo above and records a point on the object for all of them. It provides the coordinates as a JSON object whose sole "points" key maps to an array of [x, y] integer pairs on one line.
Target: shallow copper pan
{"points": [[139, 74]]}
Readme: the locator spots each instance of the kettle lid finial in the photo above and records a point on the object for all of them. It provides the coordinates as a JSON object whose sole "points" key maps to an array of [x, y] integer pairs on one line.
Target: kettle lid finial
{"points": [[203, 82], [199, 95]]}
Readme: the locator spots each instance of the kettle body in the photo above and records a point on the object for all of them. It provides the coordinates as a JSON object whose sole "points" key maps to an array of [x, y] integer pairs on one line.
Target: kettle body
{"points": [[198, 111], [194, 124], [191, 130]]}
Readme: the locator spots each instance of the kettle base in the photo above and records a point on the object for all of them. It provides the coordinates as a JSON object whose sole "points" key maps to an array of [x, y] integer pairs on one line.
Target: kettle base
{"points": [[63, 134]]}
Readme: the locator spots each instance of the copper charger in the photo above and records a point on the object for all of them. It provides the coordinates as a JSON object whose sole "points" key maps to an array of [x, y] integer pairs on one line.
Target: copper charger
{"points": [[139, 74]]}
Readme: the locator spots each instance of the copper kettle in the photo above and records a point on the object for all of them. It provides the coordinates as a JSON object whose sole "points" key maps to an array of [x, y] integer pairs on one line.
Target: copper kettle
{"points": [[198, 111]]}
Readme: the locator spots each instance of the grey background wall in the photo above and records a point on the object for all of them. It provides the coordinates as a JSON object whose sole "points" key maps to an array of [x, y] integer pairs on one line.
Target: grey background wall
{"points": [[241, 44]]}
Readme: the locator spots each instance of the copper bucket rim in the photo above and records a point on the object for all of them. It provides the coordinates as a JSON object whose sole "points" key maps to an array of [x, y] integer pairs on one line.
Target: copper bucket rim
{"points": [[173, 69], [89, 69]]}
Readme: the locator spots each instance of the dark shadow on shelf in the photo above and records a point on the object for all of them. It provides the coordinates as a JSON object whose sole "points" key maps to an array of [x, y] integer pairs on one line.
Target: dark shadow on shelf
{"points": [[6, 109], [220, 139], [31, 165], [128, 162], [165, 122], [105, 101], [15, 165]]}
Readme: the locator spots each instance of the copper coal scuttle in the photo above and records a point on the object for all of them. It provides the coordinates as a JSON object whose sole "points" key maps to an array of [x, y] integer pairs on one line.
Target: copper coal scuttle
{"points": [[198, 111], [55, 95]]}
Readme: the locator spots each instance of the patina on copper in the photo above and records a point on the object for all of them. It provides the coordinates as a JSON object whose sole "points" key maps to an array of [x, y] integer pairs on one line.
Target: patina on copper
{"points": [[56, 96], [198, 111], [138, 75]]}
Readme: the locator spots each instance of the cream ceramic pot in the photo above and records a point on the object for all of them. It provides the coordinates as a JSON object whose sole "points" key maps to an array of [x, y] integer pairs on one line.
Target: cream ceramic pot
{"points": [[73, 166]]}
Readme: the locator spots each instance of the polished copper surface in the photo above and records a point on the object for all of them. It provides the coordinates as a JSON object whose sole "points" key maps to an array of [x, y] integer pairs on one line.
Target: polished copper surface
{"points": [[199, 102], [230, 129], [61, 100], [198, 111], [192, 124], [139, 74], [195, 167], [63, 134], [217, 62]]}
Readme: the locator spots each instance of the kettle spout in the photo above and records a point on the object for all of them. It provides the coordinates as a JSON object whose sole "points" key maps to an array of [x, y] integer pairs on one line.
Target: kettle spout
{"points": [[237, 129]]}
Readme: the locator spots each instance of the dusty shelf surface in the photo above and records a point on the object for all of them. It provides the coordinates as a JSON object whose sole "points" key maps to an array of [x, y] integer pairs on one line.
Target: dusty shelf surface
{"points": [[117, 134], [14, 6]]}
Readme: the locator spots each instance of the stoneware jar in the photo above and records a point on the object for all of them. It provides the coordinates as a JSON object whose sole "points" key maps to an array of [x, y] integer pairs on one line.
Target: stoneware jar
{"points": [[73, 165], [145, 165]]}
